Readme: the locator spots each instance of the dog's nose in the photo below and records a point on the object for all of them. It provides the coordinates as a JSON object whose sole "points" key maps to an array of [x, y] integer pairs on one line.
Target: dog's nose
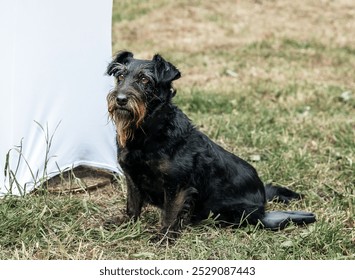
{"points": [[122, 99]]}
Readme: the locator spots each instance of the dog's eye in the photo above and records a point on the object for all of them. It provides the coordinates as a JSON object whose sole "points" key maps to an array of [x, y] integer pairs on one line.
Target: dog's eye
{"points": [[120, 77], [144, 80]]}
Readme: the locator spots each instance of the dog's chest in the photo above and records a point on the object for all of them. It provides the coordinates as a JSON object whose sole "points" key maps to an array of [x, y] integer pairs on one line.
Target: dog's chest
{"points": [[148, 171]]}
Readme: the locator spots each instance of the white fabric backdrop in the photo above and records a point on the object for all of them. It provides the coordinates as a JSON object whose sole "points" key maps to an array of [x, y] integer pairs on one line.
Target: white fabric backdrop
{"points": [[53, 56]]}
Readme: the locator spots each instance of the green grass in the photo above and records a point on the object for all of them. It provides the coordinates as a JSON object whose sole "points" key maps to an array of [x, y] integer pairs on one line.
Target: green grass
{"points": [[283, 102], [128, 10]]}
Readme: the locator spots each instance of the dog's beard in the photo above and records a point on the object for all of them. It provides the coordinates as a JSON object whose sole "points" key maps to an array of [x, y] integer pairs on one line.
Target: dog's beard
{"points": [[127, 119]]}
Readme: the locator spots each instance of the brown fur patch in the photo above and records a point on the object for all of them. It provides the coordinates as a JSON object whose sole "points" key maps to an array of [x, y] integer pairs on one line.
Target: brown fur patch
{"points": [[126, 121], [164, 166], [172, 211]]}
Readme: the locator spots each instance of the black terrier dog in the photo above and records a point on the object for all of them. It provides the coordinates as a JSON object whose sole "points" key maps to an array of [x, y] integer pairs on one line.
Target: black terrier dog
{"points": [[168, 163]]}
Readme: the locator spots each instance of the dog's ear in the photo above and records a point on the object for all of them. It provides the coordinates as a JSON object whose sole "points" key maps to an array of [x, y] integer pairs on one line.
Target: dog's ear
{"points": [[120, 58], [164, 70]]}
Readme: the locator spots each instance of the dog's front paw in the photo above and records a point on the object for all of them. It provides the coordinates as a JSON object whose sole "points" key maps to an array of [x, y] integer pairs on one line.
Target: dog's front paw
{"points": [[113, 222]]}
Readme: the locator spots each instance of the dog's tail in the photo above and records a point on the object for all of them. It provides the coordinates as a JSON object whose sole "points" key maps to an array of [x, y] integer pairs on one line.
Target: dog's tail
{"points": [[280, 194], [276, 220]]}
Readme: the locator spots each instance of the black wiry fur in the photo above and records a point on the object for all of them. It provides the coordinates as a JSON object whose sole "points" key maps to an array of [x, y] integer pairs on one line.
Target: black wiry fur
{"points": [[170, 164]]}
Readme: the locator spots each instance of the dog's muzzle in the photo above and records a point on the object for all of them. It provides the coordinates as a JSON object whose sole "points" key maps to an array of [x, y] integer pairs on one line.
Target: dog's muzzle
{"points": [[121, 99], [118, 104]]}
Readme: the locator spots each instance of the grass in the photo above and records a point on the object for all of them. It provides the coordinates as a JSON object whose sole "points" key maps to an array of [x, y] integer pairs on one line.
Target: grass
{"points": [[273, 96]]}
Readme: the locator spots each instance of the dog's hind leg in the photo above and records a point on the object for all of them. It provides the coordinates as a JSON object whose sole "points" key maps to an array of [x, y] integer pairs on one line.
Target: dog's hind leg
{"points": [[280, 194], [276, 220]]}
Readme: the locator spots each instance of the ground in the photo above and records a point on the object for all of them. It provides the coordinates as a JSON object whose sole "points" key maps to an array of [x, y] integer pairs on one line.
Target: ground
{"points": [[272, 81]]}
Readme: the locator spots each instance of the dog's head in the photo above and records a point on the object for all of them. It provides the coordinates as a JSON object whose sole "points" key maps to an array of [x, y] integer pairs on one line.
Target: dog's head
{"points": [[141, 86]]}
